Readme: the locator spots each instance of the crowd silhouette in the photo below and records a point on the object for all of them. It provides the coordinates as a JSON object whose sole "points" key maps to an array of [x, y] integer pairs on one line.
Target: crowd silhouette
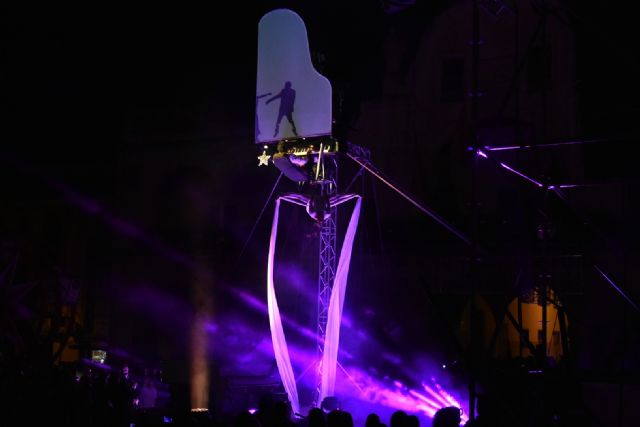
{"points": [[277, 415], [94, 394], [103, 396]]}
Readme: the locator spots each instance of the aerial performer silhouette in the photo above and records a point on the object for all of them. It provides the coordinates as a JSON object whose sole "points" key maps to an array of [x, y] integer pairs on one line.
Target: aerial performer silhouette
{"points": [[287, 100]]}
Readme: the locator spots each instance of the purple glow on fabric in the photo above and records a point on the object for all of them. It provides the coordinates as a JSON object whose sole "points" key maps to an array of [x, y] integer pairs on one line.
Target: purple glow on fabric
{"points": [[336, 304], [381, 394], [520, 174], [364, 388]]}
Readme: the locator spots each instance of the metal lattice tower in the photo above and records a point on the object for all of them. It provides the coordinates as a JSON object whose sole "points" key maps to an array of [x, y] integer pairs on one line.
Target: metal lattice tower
{"points": [[326, 276]]}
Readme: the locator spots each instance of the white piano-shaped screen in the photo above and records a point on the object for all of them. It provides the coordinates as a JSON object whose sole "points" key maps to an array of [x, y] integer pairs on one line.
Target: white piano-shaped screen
{"points": [[293, 100]]}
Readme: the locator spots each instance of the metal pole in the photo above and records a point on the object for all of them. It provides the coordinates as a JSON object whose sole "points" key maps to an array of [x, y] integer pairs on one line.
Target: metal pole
{"points": [[326, 267], [475, 62]]}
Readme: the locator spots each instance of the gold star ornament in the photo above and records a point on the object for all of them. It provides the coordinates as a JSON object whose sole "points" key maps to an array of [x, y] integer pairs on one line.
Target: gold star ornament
{"points": [[263, 159]]}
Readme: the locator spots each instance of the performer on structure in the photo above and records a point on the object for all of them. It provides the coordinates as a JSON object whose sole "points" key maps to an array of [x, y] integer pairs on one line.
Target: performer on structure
{"points": [[287, 100]]}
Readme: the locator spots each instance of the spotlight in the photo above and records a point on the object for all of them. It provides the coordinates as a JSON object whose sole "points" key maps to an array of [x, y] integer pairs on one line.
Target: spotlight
{"points": [[99, 356]]}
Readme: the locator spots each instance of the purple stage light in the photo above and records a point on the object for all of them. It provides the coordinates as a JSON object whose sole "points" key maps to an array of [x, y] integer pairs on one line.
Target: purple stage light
{"points": [[435, 395], [481, 154], [251, 300], [294, 277], [433, 405], [399, 397], [119, 225], [450, 400], [430, 412], [257, 304], [392, 358], [154, 304], [211, 327]]}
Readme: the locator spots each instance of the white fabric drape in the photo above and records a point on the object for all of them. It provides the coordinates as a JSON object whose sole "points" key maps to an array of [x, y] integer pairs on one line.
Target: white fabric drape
{"points": [[336, 303], [275, 323], [334, 315]]}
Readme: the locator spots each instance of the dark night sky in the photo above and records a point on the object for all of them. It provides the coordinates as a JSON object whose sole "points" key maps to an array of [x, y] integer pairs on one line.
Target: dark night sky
{"points": [[81, 85], [97, 74]]}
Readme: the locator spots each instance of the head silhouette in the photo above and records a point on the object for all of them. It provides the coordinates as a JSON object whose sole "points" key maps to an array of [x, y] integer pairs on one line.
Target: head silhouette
{"points": [[398, 419], [316, 418], [447, 417], [287, 85], [373, 420]]}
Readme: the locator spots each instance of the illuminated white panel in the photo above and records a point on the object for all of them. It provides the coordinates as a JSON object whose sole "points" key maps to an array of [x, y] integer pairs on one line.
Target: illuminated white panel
{"points": [[292, 98]]}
